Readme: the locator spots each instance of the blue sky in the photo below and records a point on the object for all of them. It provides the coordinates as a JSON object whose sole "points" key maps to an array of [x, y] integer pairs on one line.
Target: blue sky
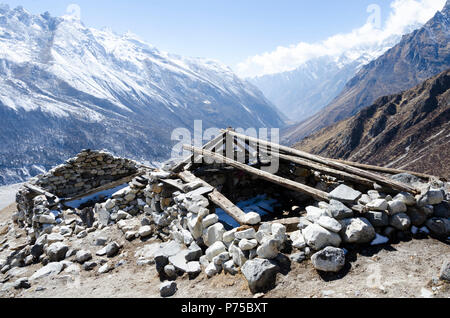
{"points": [[228, 30], [231, 31]]}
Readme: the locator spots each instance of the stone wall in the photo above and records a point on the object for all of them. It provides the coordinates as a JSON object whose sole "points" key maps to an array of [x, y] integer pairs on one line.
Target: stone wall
{"points": [[88, 170]]}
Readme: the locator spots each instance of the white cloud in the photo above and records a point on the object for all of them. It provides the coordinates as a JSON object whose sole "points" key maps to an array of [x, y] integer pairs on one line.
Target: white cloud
{"points": [[404, 15]]}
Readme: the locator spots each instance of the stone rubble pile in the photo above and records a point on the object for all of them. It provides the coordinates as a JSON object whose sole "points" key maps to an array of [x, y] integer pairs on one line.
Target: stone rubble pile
{"points": [[185, 235]]}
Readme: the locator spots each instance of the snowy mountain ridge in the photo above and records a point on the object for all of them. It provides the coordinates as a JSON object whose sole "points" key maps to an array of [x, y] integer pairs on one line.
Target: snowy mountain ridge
{"points": [[87, 87]]}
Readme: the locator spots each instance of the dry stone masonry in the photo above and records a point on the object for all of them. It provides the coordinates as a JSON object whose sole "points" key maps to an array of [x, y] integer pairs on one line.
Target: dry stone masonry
{"points": [[174, 213]]}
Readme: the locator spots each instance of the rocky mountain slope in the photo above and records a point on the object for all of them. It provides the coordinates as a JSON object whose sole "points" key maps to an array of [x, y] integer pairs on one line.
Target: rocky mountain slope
{"points": [[419, 55], [303, 92], [410, 130], [65, 87]]}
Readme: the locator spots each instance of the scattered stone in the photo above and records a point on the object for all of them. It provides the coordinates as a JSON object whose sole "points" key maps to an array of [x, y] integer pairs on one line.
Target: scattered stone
{"points": [[357, 231], [210, 220], [330, 259], [51, 269], [82, 234], [54, 237], [112, 249], [105, 268], [22, 283], [170, 271], [83, 256], [229, 236], [445, 271], [304, 223], [442, 210], [345, 194], [260, 274], [57, 252], [145, 231], [193, 269], [131, 235], [417, 216], [298, 257], [317, 237], [168, 289], [88, 266], [269, 249], [212, 269]]}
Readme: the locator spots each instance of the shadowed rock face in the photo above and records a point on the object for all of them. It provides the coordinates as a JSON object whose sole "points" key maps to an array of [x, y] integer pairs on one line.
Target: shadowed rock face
{"points": [[410, 130], [420, 55]]}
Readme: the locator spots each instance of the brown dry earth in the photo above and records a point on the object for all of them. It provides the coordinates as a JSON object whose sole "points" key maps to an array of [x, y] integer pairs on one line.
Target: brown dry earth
{"points": [[404, 269]]}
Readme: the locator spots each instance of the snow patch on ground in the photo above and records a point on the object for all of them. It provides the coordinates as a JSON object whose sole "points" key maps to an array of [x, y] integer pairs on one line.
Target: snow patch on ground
{"points": [[8, 195]]}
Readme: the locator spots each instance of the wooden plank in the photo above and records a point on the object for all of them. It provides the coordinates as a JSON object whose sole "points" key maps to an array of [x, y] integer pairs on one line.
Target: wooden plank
{"points": [[219, 199], [387, 170], [337, 165], [232, 210], [40, 191], [289, 184], [189, 160], [291, 224], [105, 187], [332, 172], [178, 184]]}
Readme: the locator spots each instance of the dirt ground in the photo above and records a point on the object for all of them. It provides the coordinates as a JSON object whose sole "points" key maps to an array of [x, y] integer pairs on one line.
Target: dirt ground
{"points": [[405, 269]]}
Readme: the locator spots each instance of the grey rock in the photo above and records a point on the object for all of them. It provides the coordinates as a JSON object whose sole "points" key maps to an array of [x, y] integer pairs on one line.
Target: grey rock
{"points": [[167, 289], [246, 234], [345, 194], [221, 258], [269, 249], [396, 206], [439, 227], [313, 213], [317, 237], [406, 198], [417, 216], [103, 217], [432, 197], [213, 234], [377, 218], [83, 256], [298, 257], [260, 274], [179, 261], [445, 271], [170, 271], [330, 259], [112, 249], [145, 231], [214, 250], [54, 237], [57, 252], [237, 255], [378, 205], [88, 266], [357, 230], [230, 268], [51, 269], [338, 210], [212, 269], [22, 283], [105, 268], [406, 178], [304, 223], [37, 250], [193, 268], [193, 253], [400, 221], [330, 224], [442, 210]]}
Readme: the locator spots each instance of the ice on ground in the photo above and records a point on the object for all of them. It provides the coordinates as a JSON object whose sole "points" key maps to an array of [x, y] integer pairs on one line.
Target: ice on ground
{"points": [[8, 195], [261, 204], [96, 197], [379, 240]]}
